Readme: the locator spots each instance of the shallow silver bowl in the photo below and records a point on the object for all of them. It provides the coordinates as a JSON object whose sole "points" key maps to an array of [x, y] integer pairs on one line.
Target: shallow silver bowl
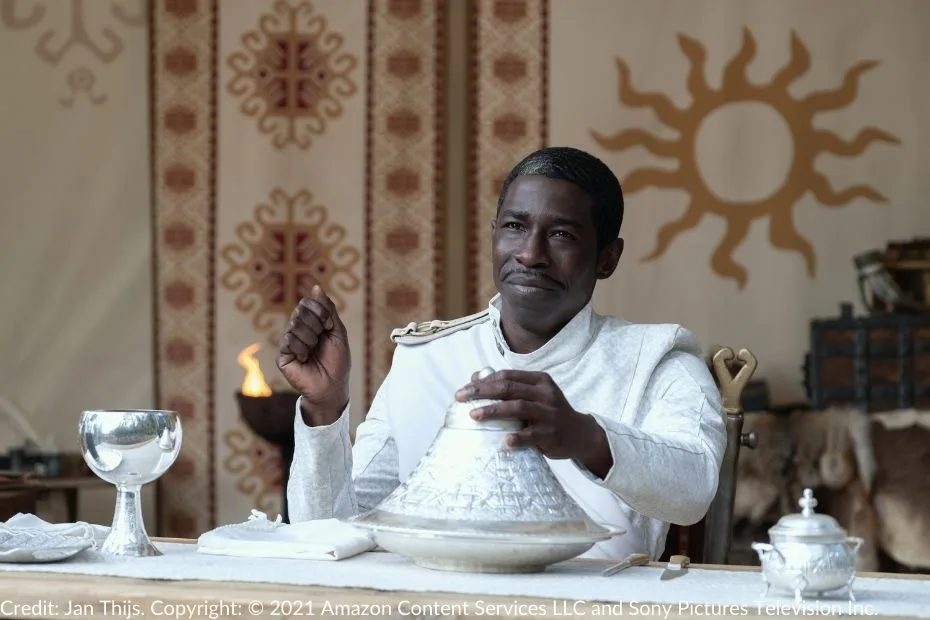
{"points": [[485, 552]]}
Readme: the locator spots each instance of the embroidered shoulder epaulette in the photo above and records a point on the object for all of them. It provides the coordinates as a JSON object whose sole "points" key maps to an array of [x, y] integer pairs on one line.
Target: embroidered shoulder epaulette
{"points": [[418, 333]]}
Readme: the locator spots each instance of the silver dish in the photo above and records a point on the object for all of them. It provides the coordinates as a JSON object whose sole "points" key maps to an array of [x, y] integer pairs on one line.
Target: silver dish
{"points": [[474, 504], [129, 448], [32, 546], [809, 554]]}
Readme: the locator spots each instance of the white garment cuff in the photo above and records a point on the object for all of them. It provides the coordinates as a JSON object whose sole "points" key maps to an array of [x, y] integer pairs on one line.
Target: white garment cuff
{"points": [[613, 456], [302, 427]]}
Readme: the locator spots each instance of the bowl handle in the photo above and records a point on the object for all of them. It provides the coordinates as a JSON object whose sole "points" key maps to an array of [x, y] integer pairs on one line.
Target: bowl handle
{"points": [[855, 543], [762, 548]]}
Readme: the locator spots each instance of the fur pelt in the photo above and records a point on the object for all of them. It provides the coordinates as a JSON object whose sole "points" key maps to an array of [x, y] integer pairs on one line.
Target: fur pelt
{"points": [[760, 473], [902, 486]]}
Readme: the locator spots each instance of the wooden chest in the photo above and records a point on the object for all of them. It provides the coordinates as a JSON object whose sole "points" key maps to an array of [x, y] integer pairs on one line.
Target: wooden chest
{"points": [[876, 363]]}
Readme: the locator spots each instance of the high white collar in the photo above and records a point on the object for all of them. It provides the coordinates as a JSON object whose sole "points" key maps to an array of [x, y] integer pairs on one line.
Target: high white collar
{"points": [[567, 344]]}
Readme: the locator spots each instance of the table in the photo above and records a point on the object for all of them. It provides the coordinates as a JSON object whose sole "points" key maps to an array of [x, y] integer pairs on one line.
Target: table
{"points": [[69, 486], [16, 499], [28, 591]]}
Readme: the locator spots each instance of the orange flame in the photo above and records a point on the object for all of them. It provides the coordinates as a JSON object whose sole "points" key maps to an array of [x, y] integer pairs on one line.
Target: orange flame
{"points": [[254, 382]]}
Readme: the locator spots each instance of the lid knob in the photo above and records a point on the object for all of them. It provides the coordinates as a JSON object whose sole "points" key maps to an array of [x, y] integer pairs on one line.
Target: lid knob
{"points": [[807, 503], [459, 413], [485, 372]]}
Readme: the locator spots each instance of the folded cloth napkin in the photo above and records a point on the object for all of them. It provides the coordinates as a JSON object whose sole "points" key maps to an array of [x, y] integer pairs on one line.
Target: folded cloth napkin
{"points": [[25, 523], [322, 539]]}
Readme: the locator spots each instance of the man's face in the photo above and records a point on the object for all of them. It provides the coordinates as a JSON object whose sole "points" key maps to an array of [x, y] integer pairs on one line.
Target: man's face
{"points": [[544, 251]]}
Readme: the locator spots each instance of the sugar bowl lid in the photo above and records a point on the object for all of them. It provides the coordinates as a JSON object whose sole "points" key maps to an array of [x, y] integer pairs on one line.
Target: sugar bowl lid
{"points": [[807, 526]]}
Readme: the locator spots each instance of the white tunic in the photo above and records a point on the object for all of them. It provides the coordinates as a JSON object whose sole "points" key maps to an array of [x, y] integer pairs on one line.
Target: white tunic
{"points": [[646, 385]]}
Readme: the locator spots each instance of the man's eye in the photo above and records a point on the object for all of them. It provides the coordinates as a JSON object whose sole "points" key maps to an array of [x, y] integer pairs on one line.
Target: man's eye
{"points": [[562, 234], [513, 225]]}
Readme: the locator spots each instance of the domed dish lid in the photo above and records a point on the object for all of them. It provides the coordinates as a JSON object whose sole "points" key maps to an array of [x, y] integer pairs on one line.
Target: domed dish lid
{"points": [[807, 526], [470, 484]]}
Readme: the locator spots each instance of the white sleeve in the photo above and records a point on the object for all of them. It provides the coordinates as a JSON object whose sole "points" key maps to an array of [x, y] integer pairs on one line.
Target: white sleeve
{"points": [[667, 467], [329, 478]]}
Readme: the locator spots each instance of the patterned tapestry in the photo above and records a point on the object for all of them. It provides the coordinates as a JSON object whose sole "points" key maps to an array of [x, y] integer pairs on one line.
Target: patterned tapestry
{"points": [[508, 115], [760, 146], [75, 322], [296, 142]]}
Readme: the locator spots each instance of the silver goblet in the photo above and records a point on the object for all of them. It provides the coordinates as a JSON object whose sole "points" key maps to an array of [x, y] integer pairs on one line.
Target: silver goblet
{"points": [[129, 448]]}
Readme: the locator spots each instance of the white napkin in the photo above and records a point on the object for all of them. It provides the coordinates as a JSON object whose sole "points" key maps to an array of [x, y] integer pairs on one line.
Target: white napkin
{"points": [[322, 539], [26, 523]]}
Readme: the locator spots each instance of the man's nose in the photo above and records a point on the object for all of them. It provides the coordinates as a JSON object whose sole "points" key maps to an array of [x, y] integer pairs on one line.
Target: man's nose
{"points": [[533, 252]]}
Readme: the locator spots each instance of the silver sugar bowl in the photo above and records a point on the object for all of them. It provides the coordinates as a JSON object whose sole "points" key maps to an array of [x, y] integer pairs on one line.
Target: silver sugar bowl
{"points": [[808, 554], [475, 504]]}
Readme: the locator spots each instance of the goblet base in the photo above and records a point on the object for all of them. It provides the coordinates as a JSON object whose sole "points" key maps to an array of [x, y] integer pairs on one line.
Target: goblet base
{"points": [[127, 535], [123, 546]]}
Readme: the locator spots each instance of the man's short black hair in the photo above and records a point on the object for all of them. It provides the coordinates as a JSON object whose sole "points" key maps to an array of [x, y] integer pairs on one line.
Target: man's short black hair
{"points": [[587, 172]]}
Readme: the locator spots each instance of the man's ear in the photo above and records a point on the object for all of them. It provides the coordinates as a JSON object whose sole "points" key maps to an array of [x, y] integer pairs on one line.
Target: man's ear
{"points": [[493, 226], [608, 258]]}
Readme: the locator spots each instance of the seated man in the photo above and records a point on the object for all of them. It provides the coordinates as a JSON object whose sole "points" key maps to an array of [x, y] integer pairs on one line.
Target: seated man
{"points": [[627, 416]]}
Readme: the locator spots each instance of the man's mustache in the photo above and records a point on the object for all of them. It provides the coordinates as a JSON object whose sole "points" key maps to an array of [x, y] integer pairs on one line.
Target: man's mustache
{"points": [[533, 276]]}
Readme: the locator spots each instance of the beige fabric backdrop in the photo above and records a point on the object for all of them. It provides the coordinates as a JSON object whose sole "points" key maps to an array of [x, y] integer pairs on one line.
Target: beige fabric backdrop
{"points": [[278, 160], [75, 322], [783, 137], [229, 176], [281, 221], [282, 160]]}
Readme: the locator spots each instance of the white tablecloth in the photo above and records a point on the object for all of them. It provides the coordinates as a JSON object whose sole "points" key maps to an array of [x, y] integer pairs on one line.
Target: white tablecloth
{"points": [[568, 581]]}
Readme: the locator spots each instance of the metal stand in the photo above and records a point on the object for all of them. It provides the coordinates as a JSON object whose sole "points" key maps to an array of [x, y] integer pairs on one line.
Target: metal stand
{"points": [[719, 519]]}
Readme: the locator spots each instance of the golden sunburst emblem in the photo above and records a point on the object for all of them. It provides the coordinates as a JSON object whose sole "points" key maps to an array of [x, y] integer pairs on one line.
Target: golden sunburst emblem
{"points": [[800, 175]]}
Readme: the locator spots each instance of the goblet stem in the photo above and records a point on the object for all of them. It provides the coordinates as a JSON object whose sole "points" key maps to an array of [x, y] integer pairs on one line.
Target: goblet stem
{"points": [[128, 536]]}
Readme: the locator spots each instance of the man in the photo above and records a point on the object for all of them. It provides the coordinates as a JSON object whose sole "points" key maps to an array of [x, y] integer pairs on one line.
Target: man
{"points": [[627, 415]]}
